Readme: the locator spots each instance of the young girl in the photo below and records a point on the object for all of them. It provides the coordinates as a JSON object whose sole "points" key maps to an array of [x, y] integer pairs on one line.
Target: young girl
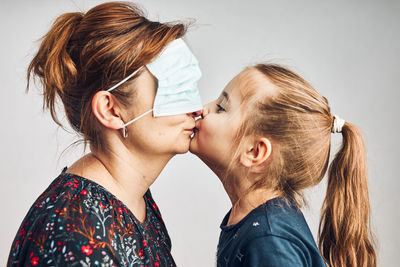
{"points": [[267, 137], [111, 68]]}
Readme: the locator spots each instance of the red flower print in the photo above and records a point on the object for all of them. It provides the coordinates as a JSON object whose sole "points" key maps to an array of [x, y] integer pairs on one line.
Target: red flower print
{"points": [[35, 261], [69, 215], [74, 184], [22, 233], [87, 250]]}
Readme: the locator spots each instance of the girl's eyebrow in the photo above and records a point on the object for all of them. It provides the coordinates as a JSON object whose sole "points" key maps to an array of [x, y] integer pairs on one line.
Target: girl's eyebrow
{"points": [[225, 94], [223, 97]]}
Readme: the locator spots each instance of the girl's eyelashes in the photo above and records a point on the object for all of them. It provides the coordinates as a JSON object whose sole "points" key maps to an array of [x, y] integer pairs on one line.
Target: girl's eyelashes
{"points": [[220, 108]]}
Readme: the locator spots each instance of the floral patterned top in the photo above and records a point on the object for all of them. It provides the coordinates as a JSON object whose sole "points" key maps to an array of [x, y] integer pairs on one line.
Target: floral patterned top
{"points": [[77, 222]]}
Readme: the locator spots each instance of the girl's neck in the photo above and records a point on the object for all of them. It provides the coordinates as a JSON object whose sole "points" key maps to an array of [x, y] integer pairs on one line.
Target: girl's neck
{"points": [[243, 203], [125, 174]]}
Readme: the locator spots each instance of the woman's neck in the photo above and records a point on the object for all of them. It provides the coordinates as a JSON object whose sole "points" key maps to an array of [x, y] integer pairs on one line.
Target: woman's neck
{"points": [[125, 174]]}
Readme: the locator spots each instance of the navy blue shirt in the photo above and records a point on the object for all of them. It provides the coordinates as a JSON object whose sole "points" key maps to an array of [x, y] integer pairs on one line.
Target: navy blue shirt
{"points": [[273, 234]]}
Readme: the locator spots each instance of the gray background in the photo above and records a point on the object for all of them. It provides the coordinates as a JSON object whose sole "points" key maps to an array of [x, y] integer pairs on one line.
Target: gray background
{"points": [[349, 50]]}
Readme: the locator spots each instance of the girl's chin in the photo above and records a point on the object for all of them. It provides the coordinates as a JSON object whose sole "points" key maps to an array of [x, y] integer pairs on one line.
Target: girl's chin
{"points": [[193, 143], [193, 147]]}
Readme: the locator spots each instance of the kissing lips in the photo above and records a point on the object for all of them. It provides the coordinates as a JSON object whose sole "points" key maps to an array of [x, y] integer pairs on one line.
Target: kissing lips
{"points": [[195, 131]]}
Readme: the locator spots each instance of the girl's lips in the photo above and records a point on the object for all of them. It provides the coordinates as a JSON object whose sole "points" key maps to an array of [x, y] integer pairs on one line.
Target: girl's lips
{"points": [[194, 134], [196, 129]]}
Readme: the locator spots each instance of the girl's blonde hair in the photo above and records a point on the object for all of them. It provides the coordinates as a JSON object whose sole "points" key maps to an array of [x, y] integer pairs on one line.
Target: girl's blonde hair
{"points": [[298, 121]]}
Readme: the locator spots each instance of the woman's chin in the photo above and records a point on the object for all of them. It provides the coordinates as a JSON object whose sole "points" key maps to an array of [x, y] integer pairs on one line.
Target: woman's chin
{"points": [[184, 148]]}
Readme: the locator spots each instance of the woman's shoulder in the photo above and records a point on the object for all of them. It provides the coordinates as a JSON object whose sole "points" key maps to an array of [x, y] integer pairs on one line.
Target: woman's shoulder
{"points": [[67, 198], [70, 193], [71, 218]]}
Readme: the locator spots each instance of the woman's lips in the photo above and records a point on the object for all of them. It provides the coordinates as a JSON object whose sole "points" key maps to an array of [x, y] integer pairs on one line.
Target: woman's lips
{"points": [[190, 131], [195, 132], [195, 129]]}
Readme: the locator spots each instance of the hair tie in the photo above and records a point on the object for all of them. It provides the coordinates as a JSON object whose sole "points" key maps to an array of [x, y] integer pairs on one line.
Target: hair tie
{"points": [[337, 124]]}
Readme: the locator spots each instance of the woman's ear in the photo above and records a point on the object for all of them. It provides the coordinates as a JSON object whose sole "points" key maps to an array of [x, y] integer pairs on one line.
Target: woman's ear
{"points": [[106, 110], [256, 153]]}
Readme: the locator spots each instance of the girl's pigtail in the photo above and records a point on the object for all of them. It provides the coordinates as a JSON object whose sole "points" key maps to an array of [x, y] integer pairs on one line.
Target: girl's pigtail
{"points": [[344, 230]]}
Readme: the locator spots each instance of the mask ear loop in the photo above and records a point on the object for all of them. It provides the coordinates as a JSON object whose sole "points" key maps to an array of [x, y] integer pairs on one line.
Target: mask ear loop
{"points": [[124, 131]]}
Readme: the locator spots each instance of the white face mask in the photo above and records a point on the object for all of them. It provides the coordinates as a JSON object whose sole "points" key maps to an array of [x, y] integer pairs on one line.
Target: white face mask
{"points": [[177, 71]]}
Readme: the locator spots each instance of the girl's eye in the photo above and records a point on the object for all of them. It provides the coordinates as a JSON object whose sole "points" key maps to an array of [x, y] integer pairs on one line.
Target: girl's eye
{"points": [[220, 108]]}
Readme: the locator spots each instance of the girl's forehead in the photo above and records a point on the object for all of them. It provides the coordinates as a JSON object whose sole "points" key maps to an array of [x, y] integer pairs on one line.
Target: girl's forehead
{"points": [[239, 84], [250, 82]]}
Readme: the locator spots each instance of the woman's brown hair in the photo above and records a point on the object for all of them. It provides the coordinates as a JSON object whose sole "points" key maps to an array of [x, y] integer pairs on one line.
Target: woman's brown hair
{"points": [[298, 121], [87, 52]]}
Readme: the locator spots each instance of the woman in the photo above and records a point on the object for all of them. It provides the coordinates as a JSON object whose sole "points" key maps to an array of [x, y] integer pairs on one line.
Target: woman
{"points": [[112, 68], [281, 130]]}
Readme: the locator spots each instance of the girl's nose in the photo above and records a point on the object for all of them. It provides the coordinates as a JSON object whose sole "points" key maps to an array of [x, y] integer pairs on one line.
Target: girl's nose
{"points": [[206, 110]]}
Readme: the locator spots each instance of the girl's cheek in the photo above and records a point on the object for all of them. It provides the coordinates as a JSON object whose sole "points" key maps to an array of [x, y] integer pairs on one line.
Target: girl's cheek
{"points": [[210, 128], [206, 134]]}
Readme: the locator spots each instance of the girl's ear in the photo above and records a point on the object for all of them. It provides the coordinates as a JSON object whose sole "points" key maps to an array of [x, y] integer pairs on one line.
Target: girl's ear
{"points": [[256, 153], [106, 110]]}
